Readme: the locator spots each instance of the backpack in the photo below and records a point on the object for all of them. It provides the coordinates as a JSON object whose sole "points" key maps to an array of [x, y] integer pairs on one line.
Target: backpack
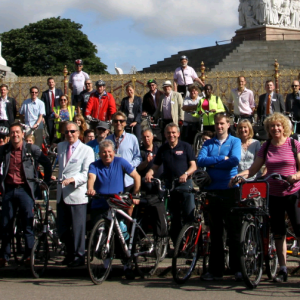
{"points": [[294, 149]]}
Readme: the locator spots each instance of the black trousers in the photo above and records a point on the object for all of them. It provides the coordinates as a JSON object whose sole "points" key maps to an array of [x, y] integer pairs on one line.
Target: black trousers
{"points": [[182, 89], [219, 216], [71, 221]]}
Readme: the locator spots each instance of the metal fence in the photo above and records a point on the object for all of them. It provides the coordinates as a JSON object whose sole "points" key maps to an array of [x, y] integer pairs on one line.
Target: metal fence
{"points": [[222, 82]]}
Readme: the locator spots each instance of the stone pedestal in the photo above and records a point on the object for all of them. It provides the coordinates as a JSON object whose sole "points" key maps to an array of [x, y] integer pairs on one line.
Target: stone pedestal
{"points": [[266, 33], [5, 72]]}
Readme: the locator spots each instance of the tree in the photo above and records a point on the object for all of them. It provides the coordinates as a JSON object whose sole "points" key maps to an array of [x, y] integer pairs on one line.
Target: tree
{"points": [[45, 47]]}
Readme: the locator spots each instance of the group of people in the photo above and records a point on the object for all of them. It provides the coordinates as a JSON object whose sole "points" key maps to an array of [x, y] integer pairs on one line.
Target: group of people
{"points": [[108, 160]]}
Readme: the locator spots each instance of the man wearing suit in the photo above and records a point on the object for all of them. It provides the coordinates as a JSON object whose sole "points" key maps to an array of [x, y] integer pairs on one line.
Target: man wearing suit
{"points": [[51, 99], [8, 110], [18, 164], [292, 103], [169, 107], [74, 159], [151, 99], [269, 102]]}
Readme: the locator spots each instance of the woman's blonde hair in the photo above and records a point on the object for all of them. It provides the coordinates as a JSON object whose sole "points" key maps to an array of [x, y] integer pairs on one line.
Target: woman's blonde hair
{"points": [[129, 86], [245, 122], [278, 117]]}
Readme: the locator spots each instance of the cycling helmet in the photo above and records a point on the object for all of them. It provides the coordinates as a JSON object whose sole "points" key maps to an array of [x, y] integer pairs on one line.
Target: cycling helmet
{"points": [[78, 62], [183, 57], [151, 81], [4, 131], [100, 83], [201, 178], [120, 201]]}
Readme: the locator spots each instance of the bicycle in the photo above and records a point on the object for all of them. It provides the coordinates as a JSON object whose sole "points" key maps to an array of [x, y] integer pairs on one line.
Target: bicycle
{"points": [[257, 244], [191, 243], [142, 249], [40, 253]]}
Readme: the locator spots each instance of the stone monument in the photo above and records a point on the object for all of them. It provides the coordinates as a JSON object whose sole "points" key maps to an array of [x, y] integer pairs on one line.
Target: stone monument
{"points": [[268, 20], [5, 71]]}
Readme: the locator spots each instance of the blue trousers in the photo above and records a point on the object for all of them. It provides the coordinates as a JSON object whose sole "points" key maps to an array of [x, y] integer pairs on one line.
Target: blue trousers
{"points": [[17, 198]]}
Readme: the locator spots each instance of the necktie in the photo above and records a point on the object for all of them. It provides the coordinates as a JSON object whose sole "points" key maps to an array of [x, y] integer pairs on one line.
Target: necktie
{"points": [[53, 100], [268, 105], [69, 153]]}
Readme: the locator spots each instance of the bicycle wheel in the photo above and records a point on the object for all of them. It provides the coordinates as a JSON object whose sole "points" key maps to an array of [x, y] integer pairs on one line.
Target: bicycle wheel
{"points": [[51, 221], [18, 241], [99, 258], [39, 256], [185, 254], [164, 248], [271, 260], [251, 254], [146, 253], [197, 143]]}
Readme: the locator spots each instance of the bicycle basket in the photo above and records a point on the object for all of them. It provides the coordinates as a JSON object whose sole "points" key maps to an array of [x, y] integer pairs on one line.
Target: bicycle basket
{"points": [[254, 194], [120, 201]]}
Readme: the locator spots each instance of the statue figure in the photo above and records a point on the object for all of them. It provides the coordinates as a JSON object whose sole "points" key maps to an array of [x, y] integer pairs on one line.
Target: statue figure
{"points": [[2, 60], [285, 12], [242, 16], [294, 14]]}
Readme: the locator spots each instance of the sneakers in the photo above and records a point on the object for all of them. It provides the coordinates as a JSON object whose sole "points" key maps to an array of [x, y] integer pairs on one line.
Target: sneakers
{"points": [[238, 276], [3, 262], [281, 276], [208, 276]]}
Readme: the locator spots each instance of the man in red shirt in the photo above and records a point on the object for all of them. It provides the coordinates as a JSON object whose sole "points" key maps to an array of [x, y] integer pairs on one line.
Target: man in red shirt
{"points": [[18, 190], [101, 104]]}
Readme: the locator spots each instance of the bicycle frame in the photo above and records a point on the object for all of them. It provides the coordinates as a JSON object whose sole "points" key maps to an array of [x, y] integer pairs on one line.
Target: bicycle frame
{"points": [[114, 222]]}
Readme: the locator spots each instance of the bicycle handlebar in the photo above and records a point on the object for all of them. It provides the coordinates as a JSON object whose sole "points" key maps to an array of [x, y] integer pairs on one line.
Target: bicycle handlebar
{"points": [[273, 176]]}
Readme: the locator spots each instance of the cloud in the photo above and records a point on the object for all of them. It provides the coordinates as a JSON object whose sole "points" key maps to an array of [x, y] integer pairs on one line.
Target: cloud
{"points": [[153, 18]]}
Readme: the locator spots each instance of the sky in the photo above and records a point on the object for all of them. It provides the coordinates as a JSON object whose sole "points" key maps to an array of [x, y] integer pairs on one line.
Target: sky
{"points": [[133, 32]]}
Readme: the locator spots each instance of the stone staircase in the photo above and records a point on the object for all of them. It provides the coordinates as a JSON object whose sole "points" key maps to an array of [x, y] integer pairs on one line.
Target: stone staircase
{"points": [[261, 55], [247, 55], [209, 55]]}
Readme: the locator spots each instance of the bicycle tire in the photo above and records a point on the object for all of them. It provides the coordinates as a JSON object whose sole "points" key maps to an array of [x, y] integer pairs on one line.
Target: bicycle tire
{"points": [[164, 248], [185, 254], [39, 256], [146, 253], [18, 241], [271, 260], [251, 254], [197, 145], [99, 260]]}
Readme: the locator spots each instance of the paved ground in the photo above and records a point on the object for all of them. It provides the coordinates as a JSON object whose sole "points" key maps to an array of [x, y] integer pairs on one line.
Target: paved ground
{"points": [[63, 283]]}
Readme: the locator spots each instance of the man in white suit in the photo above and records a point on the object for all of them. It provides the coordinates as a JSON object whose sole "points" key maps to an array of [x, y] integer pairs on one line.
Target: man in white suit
{"points": [[74, 159]]}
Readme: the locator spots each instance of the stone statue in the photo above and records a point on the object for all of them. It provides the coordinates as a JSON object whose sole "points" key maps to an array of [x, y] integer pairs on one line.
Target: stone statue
{"points": [[2, 60], [285, 13], [294, 14], [242, 16]]}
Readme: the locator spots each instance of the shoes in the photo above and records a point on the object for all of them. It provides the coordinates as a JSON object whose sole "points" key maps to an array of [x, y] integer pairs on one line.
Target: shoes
{"points": [[238, 276], [129, 274], [208, 277], [66, 261], [77, 262], [281, 276], [3, 262]]}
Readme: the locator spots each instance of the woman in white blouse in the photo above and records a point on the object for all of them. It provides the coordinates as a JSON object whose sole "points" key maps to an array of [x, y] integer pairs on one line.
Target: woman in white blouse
{"points": [[249, 146]]}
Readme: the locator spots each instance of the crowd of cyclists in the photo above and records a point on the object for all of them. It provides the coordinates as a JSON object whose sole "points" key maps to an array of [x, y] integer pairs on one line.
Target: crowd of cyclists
{"points": [[103, 148]]}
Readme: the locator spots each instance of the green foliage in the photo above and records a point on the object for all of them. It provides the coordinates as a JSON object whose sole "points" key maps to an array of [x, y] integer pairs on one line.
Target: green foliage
{"points": [[45, 47]]}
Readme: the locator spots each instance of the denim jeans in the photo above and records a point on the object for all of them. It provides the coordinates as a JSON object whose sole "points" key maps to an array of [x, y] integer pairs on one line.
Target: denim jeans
{"points": [[14, 198]]}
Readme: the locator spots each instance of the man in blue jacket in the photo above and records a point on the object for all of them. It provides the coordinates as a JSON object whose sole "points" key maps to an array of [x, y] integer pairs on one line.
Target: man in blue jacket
{"points": [[221, 155]]}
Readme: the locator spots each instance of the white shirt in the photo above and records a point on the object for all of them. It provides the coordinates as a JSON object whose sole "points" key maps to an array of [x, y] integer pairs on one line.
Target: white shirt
{"points": [[78, 79], [153, 96], [3, 114], [189, 74], [243, 102], [187, 116]]}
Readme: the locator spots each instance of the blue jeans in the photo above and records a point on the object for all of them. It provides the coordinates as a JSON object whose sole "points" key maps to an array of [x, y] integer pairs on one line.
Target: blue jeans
{"points": [[181, 204], [17, 198]]}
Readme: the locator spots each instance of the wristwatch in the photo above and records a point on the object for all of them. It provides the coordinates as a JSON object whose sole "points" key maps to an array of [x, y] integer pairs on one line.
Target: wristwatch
{"points": [[186, 173]]}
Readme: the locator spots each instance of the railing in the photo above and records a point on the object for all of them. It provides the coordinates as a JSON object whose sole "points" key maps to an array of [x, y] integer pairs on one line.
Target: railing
{"points": [[222, 82]]}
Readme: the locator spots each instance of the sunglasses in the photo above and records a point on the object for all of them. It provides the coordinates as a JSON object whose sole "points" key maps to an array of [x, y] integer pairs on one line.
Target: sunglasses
{"points": [[295, 85], [117, 121], [63, 100], [34, 92], [71, 131]]}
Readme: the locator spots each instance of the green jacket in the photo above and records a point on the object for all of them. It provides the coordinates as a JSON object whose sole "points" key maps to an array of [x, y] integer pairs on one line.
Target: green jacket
{"points": [[216, 103], [71, 110]]}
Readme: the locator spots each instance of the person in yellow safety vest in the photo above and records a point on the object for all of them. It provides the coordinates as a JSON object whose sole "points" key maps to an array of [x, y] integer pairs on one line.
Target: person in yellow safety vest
{"points": [[210, 103], [63, 112]]}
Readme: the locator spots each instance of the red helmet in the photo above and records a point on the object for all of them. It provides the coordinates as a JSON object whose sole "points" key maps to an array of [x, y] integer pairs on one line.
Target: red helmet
{"points": [[78, 62], [120, 201]]}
